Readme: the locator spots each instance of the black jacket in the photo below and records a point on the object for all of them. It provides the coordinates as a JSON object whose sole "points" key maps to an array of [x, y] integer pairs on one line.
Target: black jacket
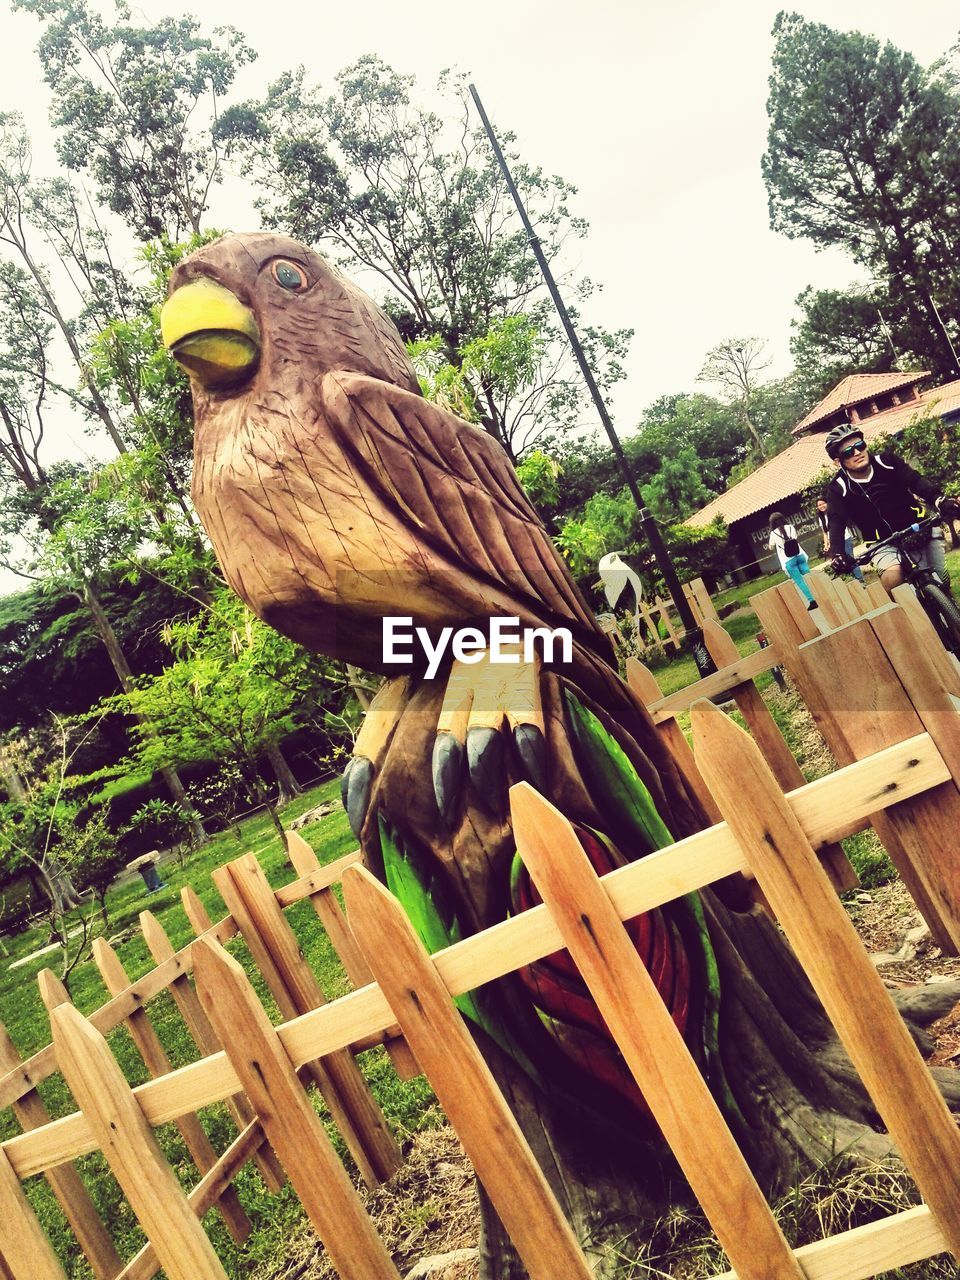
{"points": [[895, 497]]}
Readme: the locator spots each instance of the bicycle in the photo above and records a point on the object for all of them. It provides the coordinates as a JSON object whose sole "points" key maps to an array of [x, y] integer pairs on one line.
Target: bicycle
{"points": [[932, 592]]}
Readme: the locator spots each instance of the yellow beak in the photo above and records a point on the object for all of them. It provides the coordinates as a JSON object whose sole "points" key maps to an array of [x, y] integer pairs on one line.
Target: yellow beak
{"points": [[211, 333]]}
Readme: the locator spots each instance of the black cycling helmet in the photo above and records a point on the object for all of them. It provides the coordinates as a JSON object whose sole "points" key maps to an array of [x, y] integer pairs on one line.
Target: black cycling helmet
{"points": [[836, 437]]}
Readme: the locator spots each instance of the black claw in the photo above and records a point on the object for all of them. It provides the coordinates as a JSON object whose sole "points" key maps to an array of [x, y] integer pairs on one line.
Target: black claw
{"points": [[485, 763], [359, 786], [447, 772], [345, 781], [532, 750]]}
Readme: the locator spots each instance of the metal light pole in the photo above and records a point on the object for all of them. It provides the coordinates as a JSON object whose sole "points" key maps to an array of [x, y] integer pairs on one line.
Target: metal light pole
{"points": [[650, 528]]}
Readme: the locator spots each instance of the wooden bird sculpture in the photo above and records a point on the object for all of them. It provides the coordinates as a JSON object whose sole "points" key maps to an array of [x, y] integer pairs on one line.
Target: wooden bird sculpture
{"points": [[335, 495]]}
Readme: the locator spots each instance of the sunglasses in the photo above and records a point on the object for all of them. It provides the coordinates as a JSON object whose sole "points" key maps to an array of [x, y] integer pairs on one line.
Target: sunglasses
{"points": [[851, 449]]}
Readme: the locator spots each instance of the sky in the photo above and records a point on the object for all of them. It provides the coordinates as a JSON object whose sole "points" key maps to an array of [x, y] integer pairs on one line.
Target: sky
{"points": [[655, 113]]}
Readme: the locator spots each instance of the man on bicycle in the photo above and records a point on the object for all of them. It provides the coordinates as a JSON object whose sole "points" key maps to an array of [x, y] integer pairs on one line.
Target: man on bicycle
{"points": [[879, 494]]}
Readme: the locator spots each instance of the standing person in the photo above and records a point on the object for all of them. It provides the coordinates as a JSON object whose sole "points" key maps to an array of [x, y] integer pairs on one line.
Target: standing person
{"points": [[880, 494], [824, 523], [792, 557]]}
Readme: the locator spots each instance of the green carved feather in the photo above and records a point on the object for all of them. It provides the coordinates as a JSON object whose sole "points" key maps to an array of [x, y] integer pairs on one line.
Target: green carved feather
{"points": [[428, 907]]}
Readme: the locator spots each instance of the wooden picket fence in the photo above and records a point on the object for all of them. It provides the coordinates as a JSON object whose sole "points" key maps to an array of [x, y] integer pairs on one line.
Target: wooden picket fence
{"points": [[661, 613], [262, 1069]]}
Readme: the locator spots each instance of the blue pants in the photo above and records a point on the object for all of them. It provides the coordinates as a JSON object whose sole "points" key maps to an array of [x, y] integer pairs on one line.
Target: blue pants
{"points": [[796, 567], [848, 548]]}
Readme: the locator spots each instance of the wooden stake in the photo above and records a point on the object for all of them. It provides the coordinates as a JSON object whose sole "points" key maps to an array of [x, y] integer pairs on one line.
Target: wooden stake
{"points": [[341, 937], [463, 1082], [25, 1250], [291, 1124], [205, 1038], [158, 1064], [131, 1149], [926, 635], [820, 931], [644, 684], [649, 1040], [775, 751], [66, 1183], [197, 914], [272, 943], [204, 1196]]}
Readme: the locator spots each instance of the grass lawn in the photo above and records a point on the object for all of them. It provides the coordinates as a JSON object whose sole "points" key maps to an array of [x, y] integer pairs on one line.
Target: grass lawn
{"points": [[275, 1218]]}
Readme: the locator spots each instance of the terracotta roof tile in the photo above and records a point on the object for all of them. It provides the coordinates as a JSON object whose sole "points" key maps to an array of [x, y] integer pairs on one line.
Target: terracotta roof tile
{"points": [[854, 390], [792, 471]]}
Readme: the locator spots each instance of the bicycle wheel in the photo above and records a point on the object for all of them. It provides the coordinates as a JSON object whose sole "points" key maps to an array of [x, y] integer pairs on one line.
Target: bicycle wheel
{"points": [[943, 613]]}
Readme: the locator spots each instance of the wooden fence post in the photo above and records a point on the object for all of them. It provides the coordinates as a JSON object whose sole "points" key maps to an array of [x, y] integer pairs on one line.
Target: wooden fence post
{"points": [[463, 1082], [304, 861], [272, 943], [131, 1150], [26, 1252], [862, 707], [644, 684], [292, 1126], [946, 663], [649, 1040], [807, 667], [197, 914], [65, 1181], [826, 943], [157, 1063], [205, 1038], [778, 755]]}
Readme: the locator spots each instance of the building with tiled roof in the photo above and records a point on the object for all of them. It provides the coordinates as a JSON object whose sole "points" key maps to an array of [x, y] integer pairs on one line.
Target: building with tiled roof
{"points": [[881, 404]]}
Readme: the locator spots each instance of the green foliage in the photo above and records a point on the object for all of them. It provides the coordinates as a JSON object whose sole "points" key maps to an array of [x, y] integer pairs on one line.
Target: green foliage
{"points": [[933, 448], [677, 489], [539, 473], [134, 106]]}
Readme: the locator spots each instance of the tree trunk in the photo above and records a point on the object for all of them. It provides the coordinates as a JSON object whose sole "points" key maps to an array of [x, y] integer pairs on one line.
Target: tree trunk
{"points": [[783, 1082], [118, 658], [287, 784], [16, 789]]}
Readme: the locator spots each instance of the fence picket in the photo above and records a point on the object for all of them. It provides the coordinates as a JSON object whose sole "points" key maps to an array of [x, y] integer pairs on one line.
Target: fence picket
{"points": [[767, 735], [644, 684], [462, 1082], [205, 1038], [155, 1059], [25, 1250], [330, 915], [290, 1122], [274, 947], [131, 1150], [66, 1183], [826, 943], [649, 1040]]}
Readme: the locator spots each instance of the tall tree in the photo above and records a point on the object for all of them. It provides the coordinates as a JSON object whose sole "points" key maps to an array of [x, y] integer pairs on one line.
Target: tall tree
{"points": [[735, 365], [863, 152], [414, 198], [135, 106], [32, 499]]}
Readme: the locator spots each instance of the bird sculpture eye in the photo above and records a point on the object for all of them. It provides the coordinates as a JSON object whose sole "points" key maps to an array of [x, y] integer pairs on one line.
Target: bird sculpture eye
{"points": [[289, 275]]}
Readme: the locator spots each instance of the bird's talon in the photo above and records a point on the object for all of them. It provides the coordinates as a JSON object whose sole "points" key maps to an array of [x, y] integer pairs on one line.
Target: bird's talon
{"points": [[485, 765], [532, 749], [447, 771], [356, 787]]}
